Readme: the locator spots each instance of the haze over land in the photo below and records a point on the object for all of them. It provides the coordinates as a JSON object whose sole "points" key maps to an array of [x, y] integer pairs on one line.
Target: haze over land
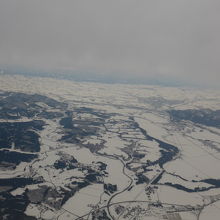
{"points": [[109, 110], [161, 41]]}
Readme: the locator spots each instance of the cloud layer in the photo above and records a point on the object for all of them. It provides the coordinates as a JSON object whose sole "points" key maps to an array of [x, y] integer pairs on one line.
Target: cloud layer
{"points": [[177, 39]]}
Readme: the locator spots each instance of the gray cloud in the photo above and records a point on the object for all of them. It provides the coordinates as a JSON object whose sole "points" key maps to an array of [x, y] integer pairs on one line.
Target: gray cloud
{"points": [[176, 39]]}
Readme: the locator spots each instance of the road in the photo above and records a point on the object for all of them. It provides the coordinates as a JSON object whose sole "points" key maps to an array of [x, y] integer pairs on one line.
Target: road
{"points": [[118, 193]]}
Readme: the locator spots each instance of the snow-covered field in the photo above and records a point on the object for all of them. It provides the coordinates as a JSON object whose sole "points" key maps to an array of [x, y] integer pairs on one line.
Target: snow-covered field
{"points": [[122, 157]]}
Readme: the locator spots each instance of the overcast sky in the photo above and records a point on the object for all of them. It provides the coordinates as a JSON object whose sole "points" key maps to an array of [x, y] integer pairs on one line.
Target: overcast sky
{"points": [[177, 39]]}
